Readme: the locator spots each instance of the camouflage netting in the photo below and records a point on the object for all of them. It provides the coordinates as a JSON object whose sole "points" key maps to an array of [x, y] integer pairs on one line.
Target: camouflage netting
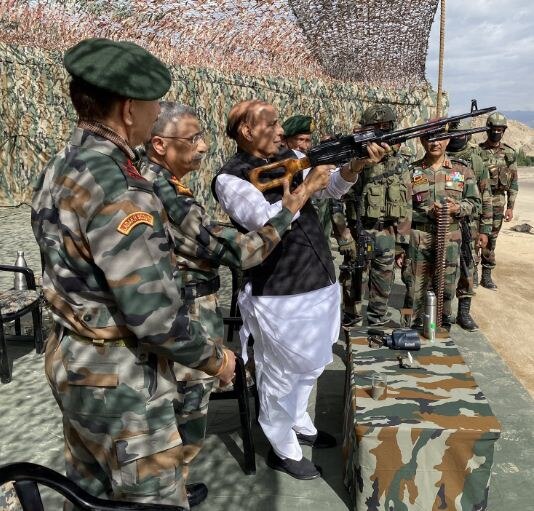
{"points": [[220, 52], [375, 41]]}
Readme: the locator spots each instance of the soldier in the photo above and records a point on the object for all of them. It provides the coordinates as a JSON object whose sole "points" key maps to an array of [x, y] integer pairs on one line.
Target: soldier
{"points": [[435, 178], [176, 148], [500, 160], [380, 199], [479, 225], [298, 131], [120, 322]]}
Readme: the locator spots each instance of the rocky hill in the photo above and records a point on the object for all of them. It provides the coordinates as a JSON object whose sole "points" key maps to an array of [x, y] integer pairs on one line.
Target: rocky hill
{"points": [[518, 135]]}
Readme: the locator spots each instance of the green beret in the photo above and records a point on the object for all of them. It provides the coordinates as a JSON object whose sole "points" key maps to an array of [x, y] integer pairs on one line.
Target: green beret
{"points": [[297, 125], [121, 67]]}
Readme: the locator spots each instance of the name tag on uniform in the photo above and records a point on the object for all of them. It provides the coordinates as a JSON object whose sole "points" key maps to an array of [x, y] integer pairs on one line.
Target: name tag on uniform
{"points": [[419, 179]]}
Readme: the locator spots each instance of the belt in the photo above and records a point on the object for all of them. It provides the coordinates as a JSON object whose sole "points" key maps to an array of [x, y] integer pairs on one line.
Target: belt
{"points": [[194, 290], [112, 343], [431, 227]]}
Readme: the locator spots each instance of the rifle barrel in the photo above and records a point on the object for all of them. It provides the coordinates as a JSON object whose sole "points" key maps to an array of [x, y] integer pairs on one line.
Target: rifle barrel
{"points": [[454, 134]]}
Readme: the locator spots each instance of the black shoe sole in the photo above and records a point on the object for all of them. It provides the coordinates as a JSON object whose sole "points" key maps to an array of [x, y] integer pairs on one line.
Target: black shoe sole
{"points": [[296, 476]]}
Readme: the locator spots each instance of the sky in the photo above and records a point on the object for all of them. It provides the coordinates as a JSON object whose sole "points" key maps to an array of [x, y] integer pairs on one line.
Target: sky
{"points": [[489, 54]]}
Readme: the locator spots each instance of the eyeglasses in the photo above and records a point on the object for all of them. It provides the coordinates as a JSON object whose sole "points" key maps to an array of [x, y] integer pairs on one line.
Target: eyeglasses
{"points": [[194, 140]]}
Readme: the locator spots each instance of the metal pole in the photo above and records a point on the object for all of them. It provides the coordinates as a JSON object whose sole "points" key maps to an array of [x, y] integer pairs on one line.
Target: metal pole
{"points": [[441, 54]]}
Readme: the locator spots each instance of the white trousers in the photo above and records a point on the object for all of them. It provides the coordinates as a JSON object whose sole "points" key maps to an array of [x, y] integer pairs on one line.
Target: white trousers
{"points": [[289, 358]]}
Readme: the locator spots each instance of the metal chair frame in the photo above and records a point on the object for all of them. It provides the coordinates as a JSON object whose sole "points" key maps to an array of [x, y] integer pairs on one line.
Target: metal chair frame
{"points": [[27, 476]]}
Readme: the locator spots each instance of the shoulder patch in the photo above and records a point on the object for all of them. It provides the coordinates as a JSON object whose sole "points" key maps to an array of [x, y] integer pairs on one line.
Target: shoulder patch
{"points": [[134, 219]]}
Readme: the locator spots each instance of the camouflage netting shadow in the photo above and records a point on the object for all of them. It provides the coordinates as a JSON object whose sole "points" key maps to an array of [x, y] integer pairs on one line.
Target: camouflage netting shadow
{"points": [[220, 52]]}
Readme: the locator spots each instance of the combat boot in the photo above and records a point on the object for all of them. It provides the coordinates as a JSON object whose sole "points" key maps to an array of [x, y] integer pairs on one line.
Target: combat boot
{"points": [[464, 318], [486, 281]]}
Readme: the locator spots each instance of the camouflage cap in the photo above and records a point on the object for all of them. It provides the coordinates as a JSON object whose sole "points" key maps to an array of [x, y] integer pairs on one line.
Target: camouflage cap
{"points": [[297, 125], [121, 67], [496, 119]]}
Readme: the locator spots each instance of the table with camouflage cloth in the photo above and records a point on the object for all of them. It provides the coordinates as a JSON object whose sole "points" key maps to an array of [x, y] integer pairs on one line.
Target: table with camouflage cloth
{"points": [[429, 444]]}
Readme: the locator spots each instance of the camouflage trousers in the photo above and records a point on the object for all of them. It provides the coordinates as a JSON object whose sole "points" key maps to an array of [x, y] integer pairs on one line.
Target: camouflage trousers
{"points": [[378, 276], [421, 269], [194, 386], [488, 253], [121, 437]]}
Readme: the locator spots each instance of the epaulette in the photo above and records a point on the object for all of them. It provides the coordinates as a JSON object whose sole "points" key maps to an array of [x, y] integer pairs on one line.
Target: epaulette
{"points": [[459, 160]]}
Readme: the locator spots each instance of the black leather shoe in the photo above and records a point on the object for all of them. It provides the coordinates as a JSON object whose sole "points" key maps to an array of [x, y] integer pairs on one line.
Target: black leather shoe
{"points": [[322, 440], [196, 493], [303, 469]]}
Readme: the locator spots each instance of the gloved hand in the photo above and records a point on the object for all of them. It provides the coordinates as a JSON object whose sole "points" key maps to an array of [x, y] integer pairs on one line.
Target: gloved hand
{"points": [[347, 247]]}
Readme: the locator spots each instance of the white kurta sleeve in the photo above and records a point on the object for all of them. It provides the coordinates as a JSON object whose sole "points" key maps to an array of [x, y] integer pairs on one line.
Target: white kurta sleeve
{"points": [[244, 203], [336, 187]]}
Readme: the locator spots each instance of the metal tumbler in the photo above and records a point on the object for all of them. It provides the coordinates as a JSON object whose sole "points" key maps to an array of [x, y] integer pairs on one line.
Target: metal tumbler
{"points": [[429, 323]]}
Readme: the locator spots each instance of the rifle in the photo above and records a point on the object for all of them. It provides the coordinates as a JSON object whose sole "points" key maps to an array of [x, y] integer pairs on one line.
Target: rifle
{"points": [[466, 254], [343, 149], [364, 253]]}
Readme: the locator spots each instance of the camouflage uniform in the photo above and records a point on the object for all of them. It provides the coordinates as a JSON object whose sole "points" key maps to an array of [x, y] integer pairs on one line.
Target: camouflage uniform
{"points": [[478, 224], [457, 181], [500, 162], [382, 194], [120, 321], [201, 246]]}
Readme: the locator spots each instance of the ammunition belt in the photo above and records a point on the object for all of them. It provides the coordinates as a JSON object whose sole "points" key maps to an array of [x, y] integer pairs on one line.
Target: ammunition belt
{"points": [[432, 227], [194, 290]]}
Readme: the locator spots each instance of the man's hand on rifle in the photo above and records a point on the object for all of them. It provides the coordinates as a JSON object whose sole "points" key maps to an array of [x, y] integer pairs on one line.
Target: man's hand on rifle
{"points": [[296, 199], [317, 179], [482, 241], [350, 171]]}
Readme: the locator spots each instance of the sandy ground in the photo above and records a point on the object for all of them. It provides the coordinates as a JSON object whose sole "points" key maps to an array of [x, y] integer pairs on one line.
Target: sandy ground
{"points": [[506, 316]]}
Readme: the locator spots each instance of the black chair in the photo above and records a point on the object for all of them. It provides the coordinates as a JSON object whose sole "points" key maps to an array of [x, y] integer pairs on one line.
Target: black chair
{"points": [[244, 386], [27, 475], [13, 305]]}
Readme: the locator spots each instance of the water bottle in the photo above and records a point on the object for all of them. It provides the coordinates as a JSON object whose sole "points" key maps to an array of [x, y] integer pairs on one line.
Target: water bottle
{"points": [[19, 281], [429, 323]]}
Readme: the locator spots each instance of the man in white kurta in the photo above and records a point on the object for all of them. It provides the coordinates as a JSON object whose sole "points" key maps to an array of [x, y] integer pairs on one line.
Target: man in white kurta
{"points": [[293, 332]]}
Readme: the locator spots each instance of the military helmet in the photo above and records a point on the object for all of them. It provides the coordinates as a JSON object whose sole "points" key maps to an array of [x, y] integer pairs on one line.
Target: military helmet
{"points": [[459, 125], [378, 114], [496, 120]]}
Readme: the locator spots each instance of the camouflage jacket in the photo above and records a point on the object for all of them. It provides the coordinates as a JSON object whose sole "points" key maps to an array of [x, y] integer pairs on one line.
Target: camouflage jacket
{"points": [[453, 179], [104, 236], [385, 191], [201, 244], [500, 162], [471, 155]]}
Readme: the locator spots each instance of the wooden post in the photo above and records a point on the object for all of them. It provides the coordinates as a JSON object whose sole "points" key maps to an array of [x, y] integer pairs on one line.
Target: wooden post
{"points": [[441, 54]]}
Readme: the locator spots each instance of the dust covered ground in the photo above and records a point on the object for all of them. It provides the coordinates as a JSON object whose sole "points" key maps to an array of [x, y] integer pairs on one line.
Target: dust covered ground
{"points": [[506, 316]]}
